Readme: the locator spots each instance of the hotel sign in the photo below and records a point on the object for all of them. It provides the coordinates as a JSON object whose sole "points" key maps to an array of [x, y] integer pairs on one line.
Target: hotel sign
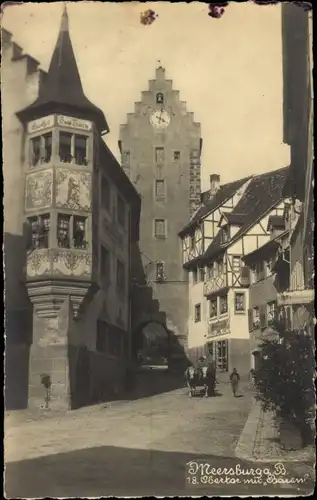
{"points": [[75, 123], [219, 328], [41, 124]]}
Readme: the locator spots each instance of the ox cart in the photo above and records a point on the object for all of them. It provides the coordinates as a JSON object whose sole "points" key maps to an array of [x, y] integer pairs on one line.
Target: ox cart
{"points": [[201, 379]]}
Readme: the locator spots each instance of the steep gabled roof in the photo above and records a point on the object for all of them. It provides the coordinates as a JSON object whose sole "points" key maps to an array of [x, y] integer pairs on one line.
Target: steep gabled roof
{"points": [[223, 194], [262, 194], [62, 91]]}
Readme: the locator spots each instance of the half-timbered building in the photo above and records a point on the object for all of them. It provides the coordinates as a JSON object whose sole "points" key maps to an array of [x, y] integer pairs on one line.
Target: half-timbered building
{"points": [[227, 281], [196, 236], [238, 219]]}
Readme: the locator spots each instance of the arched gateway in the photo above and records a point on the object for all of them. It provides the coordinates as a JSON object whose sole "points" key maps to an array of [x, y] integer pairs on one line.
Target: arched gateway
{"points": [[155, 345]]}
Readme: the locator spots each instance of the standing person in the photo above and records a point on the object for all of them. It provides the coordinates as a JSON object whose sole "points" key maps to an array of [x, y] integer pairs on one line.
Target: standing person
{"points": [[234, 379]]}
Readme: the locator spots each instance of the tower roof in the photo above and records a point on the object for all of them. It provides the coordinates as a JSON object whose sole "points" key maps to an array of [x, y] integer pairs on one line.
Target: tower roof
{"points": [[62, 91]]}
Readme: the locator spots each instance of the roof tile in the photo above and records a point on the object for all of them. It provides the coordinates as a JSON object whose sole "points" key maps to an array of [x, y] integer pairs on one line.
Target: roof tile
{"points": [[262, 194]]}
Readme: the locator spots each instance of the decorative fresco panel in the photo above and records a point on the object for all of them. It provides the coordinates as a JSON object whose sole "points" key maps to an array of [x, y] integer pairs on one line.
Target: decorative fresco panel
{"points": [[73, 189], [38, 263], [71, 263], [38, 189]]}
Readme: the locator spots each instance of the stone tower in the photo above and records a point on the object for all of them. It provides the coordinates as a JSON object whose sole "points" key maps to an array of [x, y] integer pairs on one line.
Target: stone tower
{"points": [[160, 147], [61, 136]]}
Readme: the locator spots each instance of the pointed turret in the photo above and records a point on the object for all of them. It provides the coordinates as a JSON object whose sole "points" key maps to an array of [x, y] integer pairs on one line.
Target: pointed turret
{"points": [[63, 91]]}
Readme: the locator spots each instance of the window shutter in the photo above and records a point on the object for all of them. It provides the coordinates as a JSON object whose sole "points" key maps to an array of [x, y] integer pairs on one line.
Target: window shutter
{"points": [[250, 318]]}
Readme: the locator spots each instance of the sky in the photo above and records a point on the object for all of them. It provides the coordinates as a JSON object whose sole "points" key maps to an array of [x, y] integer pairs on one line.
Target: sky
{"points": [[228, 70]]}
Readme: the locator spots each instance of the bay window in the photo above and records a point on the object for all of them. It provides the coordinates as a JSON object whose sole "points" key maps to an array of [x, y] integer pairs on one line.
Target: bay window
{"points": [[41, 149]]}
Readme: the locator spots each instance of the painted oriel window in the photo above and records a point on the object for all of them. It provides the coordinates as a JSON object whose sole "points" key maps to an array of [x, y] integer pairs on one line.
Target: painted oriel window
{"points": [[40, 149], [40, 228], [63, 230]]}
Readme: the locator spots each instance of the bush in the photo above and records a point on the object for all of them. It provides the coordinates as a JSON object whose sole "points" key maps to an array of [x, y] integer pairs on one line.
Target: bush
{"points": [[285, 378]]}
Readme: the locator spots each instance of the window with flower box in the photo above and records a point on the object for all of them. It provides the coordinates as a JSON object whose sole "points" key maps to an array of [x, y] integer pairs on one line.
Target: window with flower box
{"points": [[239, 303]]}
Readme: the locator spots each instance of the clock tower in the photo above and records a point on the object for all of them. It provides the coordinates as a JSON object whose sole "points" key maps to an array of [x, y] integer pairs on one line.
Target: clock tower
{"points": [[160, 152]]}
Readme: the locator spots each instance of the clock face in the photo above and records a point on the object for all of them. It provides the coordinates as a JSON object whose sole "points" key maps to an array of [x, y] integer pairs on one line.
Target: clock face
{"points": [[160, 119]]}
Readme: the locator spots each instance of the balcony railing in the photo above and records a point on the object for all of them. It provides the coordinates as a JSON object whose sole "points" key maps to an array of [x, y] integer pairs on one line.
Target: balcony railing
{"points": [[214, 284], [296, 297]]}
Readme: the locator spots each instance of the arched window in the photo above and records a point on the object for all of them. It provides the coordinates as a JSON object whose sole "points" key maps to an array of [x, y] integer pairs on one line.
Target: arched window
{"points": [[159, 98]]}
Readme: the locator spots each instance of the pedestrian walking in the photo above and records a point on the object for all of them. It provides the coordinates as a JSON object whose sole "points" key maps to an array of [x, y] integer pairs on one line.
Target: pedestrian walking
{"points": [[234, 380]]}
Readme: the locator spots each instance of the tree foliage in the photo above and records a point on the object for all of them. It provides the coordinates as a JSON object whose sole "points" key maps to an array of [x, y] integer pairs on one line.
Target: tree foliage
{"points": [[285, 377]]}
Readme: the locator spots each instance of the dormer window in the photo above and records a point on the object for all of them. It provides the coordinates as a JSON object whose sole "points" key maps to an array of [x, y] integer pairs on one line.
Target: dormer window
{"points": [[40, 149], [159, 98], [73, 148], [225, 234]]}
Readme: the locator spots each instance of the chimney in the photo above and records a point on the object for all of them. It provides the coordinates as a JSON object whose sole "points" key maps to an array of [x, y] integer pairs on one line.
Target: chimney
{"points": [[214, 183]]}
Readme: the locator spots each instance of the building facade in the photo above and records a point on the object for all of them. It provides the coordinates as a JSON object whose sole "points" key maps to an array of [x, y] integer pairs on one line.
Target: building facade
{"points": [[161, 147], [196, 237], [80, 216], [298, 133], [265, 284], [20, 84]]}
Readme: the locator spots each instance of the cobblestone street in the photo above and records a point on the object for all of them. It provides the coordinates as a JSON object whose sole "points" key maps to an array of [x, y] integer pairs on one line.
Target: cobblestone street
{"points": [[131, 448]]}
